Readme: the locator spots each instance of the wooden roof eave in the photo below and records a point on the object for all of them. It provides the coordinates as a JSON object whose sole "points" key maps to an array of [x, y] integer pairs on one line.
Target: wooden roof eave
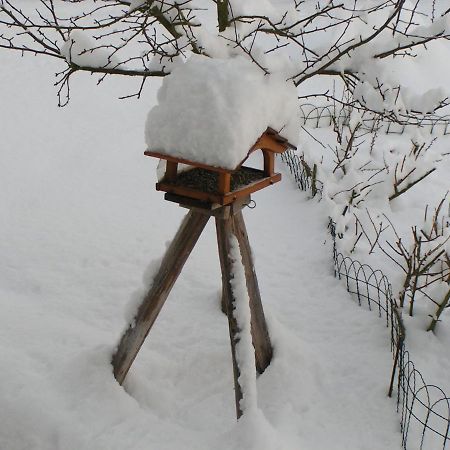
{"points": [[188, 162], [270, 140], [278, 138]]}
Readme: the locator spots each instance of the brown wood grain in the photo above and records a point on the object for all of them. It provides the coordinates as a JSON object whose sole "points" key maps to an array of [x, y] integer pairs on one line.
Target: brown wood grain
{"points": [[171, 266], [250, 188], [189, 192], [224, 183], [225, 199], [186, 161], [269, 163], [271, 143], [260, 333]]}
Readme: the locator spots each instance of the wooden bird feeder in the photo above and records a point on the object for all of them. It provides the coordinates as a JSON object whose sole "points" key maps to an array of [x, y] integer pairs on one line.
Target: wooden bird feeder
{"points": [[222, 193], [220, 186]]}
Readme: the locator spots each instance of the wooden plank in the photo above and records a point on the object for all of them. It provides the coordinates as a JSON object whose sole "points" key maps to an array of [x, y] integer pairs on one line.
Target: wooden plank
{"points": [[275, 135], [224, 232], [211, 209], [187, 161], [188, 202], [260, 333], [250, 188], [269, 142], [171, 265], [188, 192], [217, 198]]}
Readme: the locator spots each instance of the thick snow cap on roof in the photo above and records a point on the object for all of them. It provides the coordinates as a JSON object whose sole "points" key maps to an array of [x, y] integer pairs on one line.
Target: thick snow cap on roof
{"points": [[211, 111]]}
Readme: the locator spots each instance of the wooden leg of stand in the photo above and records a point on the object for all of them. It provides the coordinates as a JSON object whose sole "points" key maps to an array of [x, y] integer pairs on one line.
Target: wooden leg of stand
{"points": [[223, 257], [224, 232], [223, 301], [260, 334], [171, 265]]}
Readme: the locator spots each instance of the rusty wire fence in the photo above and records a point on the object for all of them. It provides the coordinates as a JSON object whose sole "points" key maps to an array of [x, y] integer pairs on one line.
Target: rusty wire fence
{"points": [[424, 409]]}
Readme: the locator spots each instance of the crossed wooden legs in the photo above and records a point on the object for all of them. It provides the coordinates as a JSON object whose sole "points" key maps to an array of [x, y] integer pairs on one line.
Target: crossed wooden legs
{"points": [[260, 336], [171, 266], [236, 226]]}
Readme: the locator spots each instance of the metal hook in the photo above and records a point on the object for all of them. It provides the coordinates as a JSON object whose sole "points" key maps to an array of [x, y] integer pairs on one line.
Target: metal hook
{"points": [[251, 204]]}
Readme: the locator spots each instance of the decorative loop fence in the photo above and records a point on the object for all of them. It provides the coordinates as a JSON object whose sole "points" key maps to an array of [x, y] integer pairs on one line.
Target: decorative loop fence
{"points": [[323, 116], [424, 409]]}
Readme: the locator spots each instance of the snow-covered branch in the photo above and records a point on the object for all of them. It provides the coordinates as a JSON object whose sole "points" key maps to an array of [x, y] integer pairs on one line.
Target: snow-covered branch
{"points": [[342, 39]]}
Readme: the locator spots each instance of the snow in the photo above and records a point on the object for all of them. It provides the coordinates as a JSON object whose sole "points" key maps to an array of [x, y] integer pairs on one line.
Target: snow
{"points": [[253, 7], [82, 50], [244, 347], [138, 296], [83, 221], [135, 4], [212, 111]]}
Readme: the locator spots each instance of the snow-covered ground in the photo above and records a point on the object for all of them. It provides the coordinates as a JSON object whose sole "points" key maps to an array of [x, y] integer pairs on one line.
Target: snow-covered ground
{"points": [[81, 222]]}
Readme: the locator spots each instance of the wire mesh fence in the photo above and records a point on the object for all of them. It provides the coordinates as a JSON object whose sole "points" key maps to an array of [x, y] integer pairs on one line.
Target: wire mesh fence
{"points": [[424, 409], [297, 169]]}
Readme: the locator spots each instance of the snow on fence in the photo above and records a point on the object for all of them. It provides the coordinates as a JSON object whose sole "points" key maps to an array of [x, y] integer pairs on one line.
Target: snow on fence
{"points": [[424, 409], [323, 116]]}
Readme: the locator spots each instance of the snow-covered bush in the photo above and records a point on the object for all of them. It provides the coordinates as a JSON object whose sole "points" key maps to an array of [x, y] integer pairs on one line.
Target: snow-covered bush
{"points": [[424, 259], [373, 185]]}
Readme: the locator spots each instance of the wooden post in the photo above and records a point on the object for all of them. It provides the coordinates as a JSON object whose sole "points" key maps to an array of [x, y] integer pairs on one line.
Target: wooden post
{"points": [[223, 262], [174, 259], [171, 171], [224, 183], [269, 163], [224, 233], [260, 334]]}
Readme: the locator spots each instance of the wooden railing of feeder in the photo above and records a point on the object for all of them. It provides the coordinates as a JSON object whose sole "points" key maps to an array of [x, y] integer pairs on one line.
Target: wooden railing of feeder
{"points": [[217, 185]]}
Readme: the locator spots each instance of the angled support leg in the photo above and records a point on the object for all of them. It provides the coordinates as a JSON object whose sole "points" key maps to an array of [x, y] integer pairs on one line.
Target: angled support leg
{"points": [[260, 334], [234, 225], [223, 255], [171, 265]]}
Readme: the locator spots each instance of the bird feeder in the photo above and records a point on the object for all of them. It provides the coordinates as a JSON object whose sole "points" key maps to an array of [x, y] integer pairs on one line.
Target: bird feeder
{"points": [[218, 185], [222, 193]]}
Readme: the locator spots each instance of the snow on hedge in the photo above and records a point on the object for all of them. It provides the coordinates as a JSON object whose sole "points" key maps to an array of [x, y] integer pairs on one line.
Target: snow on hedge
{"points": [[212, 111]]}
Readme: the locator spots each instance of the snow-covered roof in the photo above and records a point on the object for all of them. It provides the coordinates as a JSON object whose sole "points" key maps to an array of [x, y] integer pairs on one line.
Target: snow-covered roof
{"points": [[212, 111], [269, 140]]}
